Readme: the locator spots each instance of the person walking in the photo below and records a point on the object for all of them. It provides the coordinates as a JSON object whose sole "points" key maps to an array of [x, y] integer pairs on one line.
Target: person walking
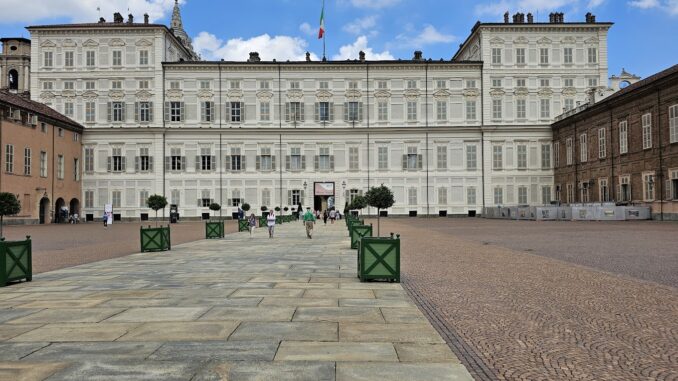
{"points": [[333, 216], [105, 218], [252, 223], [309, 221], [270, 222], [325, 216]]}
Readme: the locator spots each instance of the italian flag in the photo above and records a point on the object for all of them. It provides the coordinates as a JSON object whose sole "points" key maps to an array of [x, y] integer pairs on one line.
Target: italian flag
{"points": [[321, 31]]}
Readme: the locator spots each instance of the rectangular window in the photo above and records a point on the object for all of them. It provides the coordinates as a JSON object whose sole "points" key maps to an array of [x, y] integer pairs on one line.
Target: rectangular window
{"points": [[68, 109], [567, 55], [143, 57], [206, 111], [441, 84], [568, 151], [295, 85], [89, 199], [236, 159], [353, 164], [471, 110], [143, 199], [90, 59], [496, 82], [496, 109], [647, 130], [593, 82], [265, 111], [441, 110], [498, 195], [296, 196], [116, 85], [175, 197], [648, 186], [295, 112], [266, 159], [471, 196], [570, 193], [569, 104], [324, 159], [546, 156], [603, 190], [116, 199], [144, 160], [76, 169], [521, 82], [60, 167], [623, 137], [624, 188], [592, 55], [117, 58], [556, 154], [583, 148], [175, 111], [382, 159], [496, 56], [544, 56], [522, 156], [264, 85], [235, 84], [175, 85], [323, 85], [382, 111], [90, 112], [673, 188], [546, 194], [353, 85], [412, 196], [324, 111], [206, 162], [602, 143], [354, 111], [9, 158], [497, 157], [118, 111], [441, 157], [43, 164], [205, 85], [382, 85], [48, 85], [545, 108], [520, 56], [295, 159], [266, 197], [90, 85], [68, 59], [522, 195], [145, 112], [411, 111], [176, 160], [544, 82], [411, 84], [60, 132], [471, 158], [27, 161], [470, 84], [673, 124], [521, 109], [412, 158], [442, 196], [116, 160], [48, 59]]}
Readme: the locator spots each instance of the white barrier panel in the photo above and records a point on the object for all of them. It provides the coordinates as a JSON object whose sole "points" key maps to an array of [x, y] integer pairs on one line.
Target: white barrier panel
{"points": [[583, 213], [609, 213], [546, 213], [637, 212], [525, 213]]}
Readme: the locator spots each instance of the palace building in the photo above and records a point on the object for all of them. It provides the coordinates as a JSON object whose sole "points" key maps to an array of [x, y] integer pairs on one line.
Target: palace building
{"points": [[447, 136]]}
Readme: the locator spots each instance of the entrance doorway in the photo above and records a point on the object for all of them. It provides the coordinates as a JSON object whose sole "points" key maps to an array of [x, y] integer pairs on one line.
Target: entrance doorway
{"points": [[59, 208], [44, 210], [323, 196], [75, 209]]}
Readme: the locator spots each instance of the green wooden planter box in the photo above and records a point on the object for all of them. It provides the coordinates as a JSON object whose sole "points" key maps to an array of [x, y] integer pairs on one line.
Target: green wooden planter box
{"points": [[215, 229], [262, 222], [155, 239], [278, 220], [243, 225], [358, 232], [16, 261], [379, 258]]}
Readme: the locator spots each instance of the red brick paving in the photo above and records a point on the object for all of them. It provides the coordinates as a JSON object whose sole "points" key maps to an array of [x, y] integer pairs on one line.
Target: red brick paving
{"points": [[515, 315], [57, 246]]}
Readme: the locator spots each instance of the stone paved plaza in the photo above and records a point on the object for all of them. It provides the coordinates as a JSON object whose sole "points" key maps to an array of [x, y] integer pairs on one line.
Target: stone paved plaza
{"points": [[240, 308]]}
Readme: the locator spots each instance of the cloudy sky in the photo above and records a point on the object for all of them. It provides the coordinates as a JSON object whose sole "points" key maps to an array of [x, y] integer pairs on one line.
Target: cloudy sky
{"points": [[642, 39]]}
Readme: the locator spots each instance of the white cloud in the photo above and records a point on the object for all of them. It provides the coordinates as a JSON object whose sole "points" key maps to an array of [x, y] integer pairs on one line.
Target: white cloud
{"points": [[281, 48], [373, 4], [669, 6], [361, 25], [595, 3], [30, 11], [496, 8], [352, 51], [428, 36], [644, 4], [307, 29]]}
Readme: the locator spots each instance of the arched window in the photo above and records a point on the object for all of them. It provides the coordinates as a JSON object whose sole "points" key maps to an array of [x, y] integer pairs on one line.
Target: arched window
{"points": [[13, 79]]}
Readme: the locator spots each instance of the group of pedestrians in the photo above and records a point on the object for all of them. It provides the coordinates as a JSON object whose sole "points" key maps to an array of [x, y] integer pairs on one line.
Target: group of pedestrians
{"points": [[308, 219], [270, 223]]}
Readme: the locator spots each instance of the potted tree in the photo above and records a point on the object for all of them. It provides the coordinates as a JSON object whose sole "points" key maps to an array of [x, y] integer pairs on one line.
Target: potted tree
{"points": [[16, 260], [379, 197], [358, 229], [286, 218], [214, 229], [158, 238], [264, 214]]}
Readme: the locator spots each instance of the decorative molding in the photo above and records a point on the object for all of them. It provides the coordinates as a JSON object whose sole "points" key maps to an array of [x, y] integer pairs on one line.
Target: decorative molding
{"points": [[470, 92], [323, 95], [205, 94], [521, 40], [571, 91], [382, 94], [90, 43], [68, 93], [265, 95], [544, 41], [116, 94], [116, 42], [47, 95], [522, 91], [442, 93], [234, 93], [497, 92], [48, 44], [497, 41], [144, 95], [143, 42], [591, 41], [295, 94], [175, 94], [545, 92], [569, 40], [68, 43], [353, 94], [412, 93], [89, 94]]}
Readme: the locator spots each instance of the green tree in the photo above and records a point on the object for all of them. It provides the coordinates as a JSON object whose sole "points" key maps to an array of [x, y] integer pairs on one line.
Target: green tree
{"points": [[246, 207], [379, 197], [9, 205], [286, 209], [156, 202], [359, 202], [215, 207], [277, 209]]}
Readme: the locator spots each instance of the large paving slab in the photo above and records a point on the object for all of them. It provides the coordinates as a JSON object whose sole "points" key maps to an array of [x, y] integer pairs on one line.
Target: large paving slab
{"points": [[238, 308]]}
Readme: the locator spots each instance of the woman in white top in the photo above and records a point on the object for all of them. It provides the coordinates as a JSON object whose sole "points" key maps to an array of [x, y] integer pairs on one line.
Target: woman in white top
{"points": [[270, 222]]}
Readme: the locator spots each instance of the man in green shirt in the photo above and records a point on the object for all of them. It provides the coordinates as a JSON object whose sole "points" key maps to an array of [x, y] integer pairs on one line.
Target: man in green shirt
{"points": [[309, 221]]}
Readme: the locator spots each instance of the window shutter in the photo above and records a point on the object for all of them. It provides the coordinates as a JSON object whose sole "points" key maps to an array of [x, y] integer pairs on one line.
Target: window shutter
{"points": [[110, 111], [420, 161], [287, 111], [182, 112], [203, 111], [360, 111], [288, 162], [199, 202], [150, 163], [302, 196], [227, 111], [167, 163], [123, 106], [289, 197], [197, 163], [229, 202], [243, 162], [123, 162], [303, 162], [316, 162], [404, 161], [213, 162], [273, 163], [317, 112], [167, 111], [150, 111], [228, 163], [331, 115], [136, 111], [242, 112], [332, 162], [136, 163], [345, 111], [108, 164], [258, 164], [183, 163], [302, 108]]}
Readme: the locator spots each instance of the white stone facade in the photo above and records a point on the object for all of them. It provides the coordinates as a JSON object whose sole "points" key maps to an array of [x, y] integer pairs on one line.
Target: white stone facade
{"points": [[444, 135]]}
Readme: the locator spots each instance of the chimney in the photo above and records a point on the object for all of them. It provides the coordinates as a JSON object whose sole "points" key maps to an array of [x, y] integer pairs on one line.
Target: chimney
{"points": [[551, 18], [117, 18], [145, 18], [254, 57], [102, 20], [593, 19], [530, 18], [506, 18], [308, 57], [515, 18], [130, 19], [418, 55], [362, 56]]}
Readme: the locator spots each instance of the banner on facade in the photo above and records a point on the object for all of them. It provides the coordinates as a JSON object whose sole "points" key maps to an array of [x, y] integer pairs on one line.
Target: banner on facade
{"points": [[324, 189]]}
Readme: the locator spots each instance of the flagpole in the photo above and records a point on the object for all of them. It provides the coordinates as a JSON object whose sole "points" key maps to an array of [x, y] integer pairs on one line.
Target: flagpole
{"points": [[324, 57]]}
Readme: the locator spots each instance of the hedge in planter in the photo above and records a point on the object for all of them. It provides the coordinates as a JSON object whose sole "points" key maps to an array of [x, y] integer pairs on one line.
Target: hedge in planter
{"points": [[379, 258], [16, 261], [214, 229], [155, 239], [359, 231], [243, 225]]}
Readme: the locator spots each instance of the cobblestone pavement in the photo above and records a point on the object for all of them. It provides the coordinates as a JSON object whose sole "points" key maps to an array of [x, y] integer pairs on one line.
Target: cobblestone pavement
{"points": [[515, 315], [57, 246], [239, 308]]}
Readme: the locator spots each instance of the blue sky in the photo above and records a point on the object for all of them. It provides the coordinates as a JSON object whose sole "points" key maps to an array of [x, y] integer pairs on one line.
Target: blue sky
{"points": [[642, 39]]}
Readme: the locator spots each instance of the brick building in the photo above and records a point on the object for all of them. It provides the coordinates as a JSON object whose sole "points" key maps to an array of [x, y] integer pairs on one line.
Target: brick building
{"points": [[623, 148], [40, 159]]}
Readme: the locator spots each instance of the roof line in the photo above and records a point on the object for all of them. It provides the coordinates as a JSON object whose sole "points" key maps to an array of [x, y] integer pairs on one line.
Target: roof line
{"points": [[347, 62]]}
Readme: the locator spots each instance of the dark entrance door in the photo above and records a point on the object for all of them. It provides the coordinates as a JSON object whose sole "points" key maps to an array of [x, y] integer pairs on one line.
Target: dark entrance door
{"points": [[323, 195], [44, 209], [59, 215]]}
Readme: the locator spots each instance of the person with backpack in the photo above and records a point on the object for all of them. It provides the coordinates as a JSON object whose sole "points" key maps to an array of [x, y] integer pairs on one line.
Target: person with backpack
{"points": [[309, 221], [252, 223]]}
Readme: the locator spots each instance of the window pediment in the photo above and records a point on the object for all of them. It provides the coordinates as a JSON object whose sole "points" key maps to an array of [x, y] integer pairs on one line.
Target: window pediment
{"points": [[143, 42], [48, 44], [116, 42], [90, 43], [544, 41]]}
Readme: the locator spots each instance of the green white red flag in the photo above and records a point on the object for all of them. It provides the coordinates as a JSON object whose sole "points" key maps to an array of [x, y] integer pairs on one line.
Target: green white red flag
{"points": [[321, 31]]}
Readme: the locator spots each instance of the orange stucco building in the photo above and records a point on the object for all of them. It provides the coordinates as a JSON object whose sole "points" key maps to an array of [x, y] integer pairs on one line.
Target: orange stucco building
{"points": [[40, 160]]}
